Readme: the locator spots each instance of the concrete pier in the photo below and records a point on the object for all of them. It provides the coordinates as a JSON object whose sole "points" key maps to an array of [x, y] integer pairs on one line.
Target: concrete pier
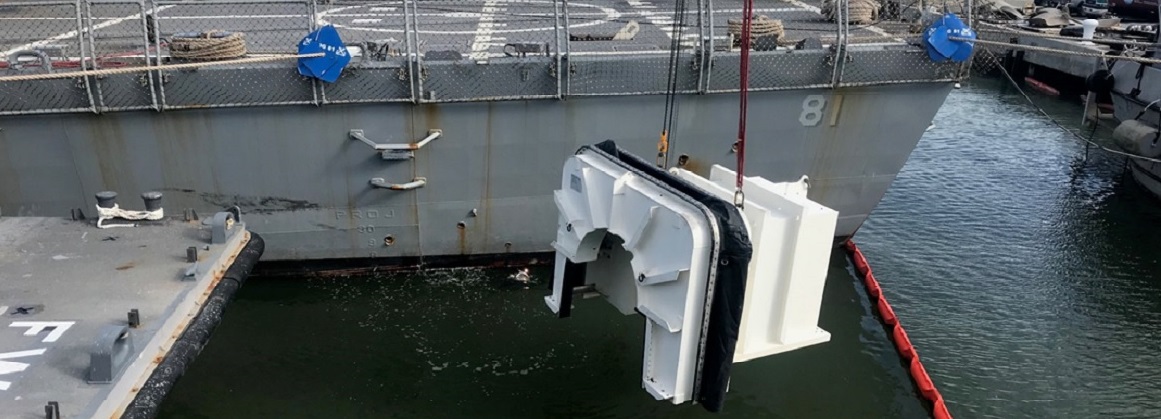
{"points": [[87, 315], [1074, 65]]}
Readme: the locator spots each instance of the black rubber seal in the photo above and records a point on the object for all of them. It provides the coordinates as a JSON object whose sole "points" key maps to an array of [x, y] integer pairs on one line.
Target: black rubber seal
{"points": [[148, 400]]}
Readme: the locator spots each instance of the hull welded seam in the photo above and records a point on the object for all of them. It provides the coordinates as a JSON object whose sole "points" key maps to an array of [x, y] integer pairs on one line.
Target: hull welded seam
{"points": [[898, 336], [146, 403]]}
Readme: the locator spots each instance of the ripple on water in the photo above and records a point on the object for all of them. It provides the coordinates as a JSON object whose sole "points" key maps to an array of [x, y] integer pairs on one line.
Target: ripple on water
{"points": [[1028, 279]]}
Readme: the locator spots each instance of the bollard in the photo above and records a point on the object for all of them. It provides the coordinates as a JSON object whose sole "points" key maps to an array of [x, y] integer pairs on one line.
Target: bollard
{"points": [[152, 200], [110, 353], [106, 199], [1090, 26], [52, 410]]}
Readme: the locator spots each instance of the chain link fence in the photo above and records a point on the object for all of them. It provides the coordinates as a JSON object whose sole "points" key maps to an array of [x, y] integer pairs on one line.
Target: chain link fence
{"points": [[381, 63], [792, 46], [487, 50], [884, 42], [117, 37], [420, 51], [265, 26], [48, 40], [629, 51]]}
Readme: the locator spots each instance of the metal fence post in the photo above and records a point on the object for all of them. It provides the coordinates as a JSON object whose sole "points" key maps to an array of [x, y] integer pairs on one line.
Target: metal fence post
{"points": [[709, 60], [89, 60], [410, 40], [966, 68], [700, 50], [556, 18], [144, 6], [156, 45], [566, 70], [319, 90], [81, 29], [841, 11]]}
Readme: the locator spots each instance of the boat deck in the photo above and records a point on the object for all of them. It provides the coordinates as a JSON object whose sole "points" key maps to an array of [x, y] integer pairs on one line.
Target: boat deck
{"points": [[480, 28], [430, 51], [66, 291]]}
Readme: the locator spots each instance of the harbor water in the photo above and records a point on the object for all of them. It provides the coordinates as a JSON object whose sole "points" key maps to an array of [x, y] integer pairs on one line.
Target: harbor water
{"points": [[1026, 275]]}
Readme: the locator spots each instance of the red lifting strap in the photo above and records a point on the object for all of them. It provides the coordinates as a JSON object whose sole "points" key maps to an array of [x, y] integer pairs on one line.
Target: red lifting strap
{"points": [[747, 20]]}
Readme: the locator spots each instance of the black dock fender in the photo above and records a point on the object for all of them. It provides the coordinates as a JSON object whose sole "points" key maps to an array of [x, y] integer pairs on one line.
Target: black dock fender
{"points": [[148, 400]]}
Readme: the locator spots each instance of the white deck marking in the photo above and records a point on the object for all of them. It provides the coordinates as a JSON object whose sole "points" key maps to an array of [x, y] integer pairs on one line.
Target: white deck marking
{"points": [[73, 33], [485, 29], [606, 15], [664, 21], [819, 11], [34, 328], [9, 367], [799, 4], [802, 7]]}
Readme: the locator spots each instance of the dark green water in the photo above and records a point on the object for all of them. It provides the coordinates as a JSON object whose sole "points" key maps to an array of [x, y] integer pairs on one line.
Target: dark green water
{"points": [[469, 343], [1028, 282]]}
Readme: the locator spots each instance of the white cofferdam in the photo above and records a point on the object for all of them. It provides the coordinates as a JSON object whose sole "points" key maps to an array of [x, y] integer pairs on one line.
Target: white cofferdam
{"points": [[649, 251]]}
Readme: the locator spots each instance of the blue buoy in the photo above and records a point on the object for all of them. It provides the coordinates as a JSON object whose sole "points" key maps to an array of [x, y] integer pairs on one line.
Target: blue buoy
{"points": [[335, 55], [940, 46]]}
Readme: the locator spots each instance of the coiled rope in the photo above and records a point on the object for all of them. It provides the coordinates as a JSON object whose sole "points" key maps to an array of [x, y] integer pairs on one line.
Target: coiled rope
{"points": [[861, 12], [759, 27], [208, 46], [104, 214]]}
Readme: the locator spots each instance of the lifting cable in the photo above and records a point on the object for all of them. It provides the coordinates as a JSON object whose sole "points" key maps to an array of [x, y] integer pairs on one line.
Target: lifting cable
{"points": [[747, 20], [671, 83]]}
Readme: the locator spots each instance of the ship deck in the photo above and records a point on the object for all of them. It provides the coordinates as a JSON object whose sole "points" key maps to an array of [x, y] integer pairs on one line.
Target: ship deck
{"points": [[480, 28], [66, 291], [434, 51]]}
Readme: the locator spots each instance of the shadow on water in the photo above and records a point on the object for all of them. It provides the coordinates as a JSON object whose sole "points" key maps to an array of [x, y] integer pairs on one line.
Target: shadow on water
{"points": [[473, 343], [1028, 277]]}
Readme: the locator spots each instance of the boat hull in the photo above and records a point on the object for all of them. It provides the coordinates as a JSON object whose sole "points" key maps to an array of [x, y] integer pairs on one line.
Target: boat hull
{"points": [[1142, 107], [303, 183]]}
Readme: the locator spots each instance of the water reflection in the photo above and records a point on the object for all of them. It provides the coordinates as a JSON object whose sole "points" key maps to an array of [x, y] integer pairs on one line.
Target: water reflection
{"points": [[474, 343], [1027, 274]]}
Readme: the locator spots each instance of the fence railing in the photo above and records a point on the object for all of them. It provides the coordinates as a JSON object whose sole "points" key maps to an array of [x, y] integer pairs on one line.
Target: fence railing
{"points": [[421, 51]]}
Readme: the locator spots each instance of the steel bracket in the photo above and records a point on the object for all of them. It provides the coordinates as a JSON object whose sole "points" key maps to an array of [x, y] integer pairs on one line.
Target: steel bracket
{"points": [[222, 226], [396, 151], [110, 354]]}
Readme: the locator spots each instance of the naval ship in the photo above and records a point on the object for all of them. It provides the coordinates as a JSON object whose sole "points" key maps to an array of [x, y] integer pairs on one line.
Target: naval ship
{"points": [[446, 131]]}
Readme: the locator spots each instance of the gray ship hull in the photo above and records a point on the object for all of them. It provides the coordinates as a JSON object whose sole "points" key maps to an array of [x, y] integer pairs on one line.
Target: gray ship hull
{"points": [[303, 184], [1127, 107]]}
